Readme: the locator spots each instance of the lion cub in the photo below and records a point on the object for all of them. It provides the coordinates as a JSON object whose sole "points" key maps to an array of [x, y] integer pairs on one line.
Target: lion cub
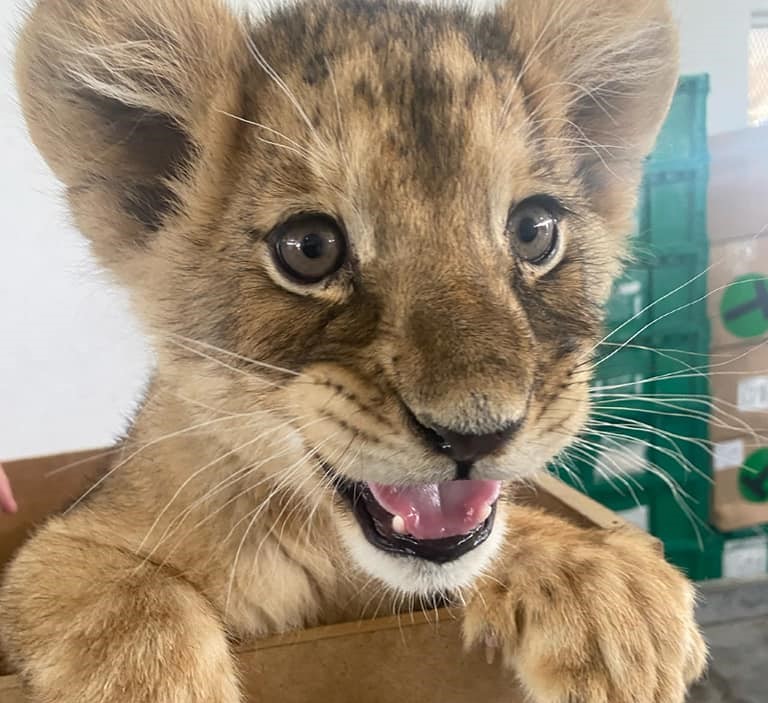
{"points": [[370, 241]]}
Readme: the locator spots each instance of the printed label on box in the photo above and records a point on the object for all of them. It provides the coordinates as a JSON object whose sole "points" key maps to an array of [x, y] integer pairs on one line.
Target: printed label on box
{"points": [[753, 394], [745, 558], [630, 288], [728, 454], [627, 383], [623, 457], [638, 516]]}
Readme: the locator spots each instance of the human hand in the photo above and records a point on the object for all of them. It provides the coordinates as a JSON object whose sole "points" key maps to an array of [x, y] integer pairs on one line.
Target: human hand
{"points": [[7, 501]]}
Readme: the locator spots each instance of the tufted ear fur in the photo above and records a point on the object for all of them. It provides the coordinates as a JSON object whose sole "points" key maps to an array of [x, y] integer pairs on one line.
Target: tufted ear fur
{"points": [[115, 94], [611, 67]]}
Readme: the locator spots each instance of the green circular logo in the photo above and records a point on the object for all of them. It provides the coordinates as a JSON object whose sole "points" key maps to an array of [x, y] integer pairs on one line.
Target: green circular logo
{"points": [[753, 477], [744, 308]]}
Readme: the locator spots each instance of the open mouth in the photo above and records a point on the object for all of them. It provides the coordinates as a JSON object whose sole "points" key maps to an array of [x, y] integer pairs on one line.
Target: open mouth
{"points": [[437, 522]]}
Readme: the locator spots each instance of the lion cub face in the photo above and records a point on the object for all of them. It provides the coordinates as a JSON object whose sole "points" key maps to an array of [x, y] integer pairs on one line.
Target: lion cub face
{"points": [[389, 227]]}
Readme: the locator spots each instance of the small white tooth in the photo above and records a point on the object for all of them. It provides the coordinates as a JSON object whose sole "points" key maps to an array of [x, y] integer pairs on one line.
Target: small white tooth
{"points": [[485, 513], [398, 525]]}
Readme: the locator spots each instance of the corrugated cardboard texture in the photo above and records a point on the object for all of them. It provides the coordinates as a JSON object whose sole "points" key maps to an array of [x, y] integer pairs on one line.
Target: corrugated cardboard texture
{"points": [[738, 183], [730, 261], [389, 660], [739, 385], [45, 485], [733, 508], [380, 661], [730, 511]]}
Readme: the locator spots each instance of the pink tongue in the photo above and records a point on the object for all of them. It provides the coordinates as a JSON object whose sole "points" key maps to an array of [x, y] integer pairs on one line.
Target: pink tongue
{"points": [[435, 510]]}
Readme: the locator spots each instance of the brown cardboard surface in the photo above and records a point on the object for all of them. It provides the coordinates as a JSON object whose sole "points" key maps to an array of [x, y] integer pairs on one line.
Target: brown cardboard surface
{"points": [[739, 387], [9, 691], [738, 183], [389, 660], [731, 510], [730, 261], [45, 485]]}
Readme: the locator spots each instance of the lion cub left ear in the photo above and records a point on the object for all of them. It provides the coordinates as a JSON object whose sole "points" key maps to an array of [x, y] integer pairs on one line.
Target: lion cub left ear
{"points": [[124, 101], [608, 70]]}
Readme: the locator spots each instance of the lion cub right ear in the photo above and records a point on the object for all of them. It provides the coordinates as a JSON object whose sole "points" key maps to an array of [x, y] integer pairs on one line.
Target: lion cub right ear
{"points": [[124, 99]]}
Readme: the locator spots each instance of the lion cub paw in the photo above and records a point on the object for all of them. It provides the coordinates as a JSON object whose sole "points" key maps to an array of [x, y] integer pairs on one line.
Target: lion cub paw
{"points": [[595, 619]]}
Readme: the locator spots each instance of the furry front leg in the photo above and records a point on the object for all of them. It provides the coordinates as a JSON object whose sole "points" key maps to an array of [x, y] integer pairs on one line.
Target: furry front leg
{"points": [[87, 623], [587, 616]]}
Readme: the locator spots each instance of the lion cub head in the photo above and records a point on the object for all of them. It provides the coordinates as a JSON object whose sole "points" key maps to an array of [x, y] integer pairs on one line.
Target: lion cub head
{"points": [[389, 227]]}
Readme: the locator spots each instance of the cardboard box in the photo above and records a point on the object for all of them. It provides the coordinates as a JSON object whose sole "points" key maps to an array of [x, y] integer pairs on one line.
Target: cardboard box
{"points": [[389, 660], [738, 279], [740, 495], [738, 184], [739, 387]]}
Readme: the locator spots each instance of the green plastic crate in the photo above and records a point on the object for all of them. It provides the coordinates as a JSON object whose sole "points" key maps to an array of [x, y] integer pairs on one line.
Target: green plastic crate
{"points": [[634, 447], [679, 294], [650, 386], [650, 410], [665, 283], [699, 561], [628, 308], [674, 511], [603, 467], [680, 516], [668, 364], [681, 364], [684, 134], [660, 295], [673, 208], [683, 454], [669, 249], [625, 370]]}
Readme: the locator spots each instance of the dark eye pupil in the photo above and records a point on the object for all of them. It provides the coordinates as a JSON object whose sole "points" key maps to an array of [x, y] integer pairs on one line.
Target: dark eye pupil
{"points": [[533, 231], [312, 245], [309, 248], [528, 230]]}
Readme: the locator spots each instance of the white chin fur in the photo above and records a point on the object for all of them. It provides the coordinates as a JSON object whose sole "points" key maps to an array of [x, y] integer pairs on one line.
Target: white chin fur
{"points": [[415, 576]]}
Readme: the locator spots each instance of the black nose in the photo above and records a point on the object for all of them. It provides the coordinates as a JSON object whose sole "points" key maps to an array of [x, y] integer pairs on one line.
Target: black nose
{"points": [[465, 448], [468, 448]]}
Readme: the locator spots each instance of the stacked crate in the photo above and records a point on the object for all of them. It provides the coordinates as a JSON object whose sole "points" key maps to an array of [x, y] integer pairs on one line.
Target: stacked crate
{"points": [[647, 455], [738, 312]]}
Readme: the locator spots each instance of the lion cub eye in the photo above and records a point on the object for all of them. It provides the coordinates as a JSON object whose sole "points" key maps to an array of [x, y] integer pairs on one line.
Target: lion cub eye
{"points": [[309, 248], [533, 231]]}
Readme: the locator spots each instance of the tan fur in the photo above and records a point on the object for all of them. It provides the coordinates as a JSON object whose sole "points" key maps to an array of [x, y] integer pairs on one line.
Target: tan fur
{"points": [[183, 135]]}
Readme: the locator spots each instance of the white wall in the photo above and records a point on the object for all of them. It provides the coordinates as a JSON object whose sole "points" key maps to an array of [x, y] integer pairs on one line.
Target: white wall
{"points": [[71, 359], [714, 39]]}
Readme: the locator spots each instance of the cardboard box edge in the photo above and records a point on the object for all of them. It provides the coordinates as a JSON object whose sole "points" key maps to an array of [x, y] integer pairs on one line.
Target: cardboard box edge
{"points": [[569, 500]]}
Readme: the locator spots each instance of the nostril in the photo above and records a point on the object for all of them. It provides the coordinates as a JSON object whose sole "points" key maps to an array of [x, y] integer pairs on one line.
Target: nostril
{"points": [[468, 448], [430, 436], [461, 447]]}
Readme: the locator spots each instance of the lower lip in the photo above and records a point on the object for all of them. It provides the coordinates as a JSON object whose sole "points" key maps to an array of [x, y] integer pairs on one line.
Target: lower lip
{"points": [[439, 551]]}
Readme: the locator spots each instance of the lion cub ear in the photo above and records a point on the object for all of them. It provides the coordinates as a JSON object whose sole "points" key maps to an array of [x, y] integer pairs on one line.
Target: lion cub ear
{"points": [[124, 99], [607, 69]]}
